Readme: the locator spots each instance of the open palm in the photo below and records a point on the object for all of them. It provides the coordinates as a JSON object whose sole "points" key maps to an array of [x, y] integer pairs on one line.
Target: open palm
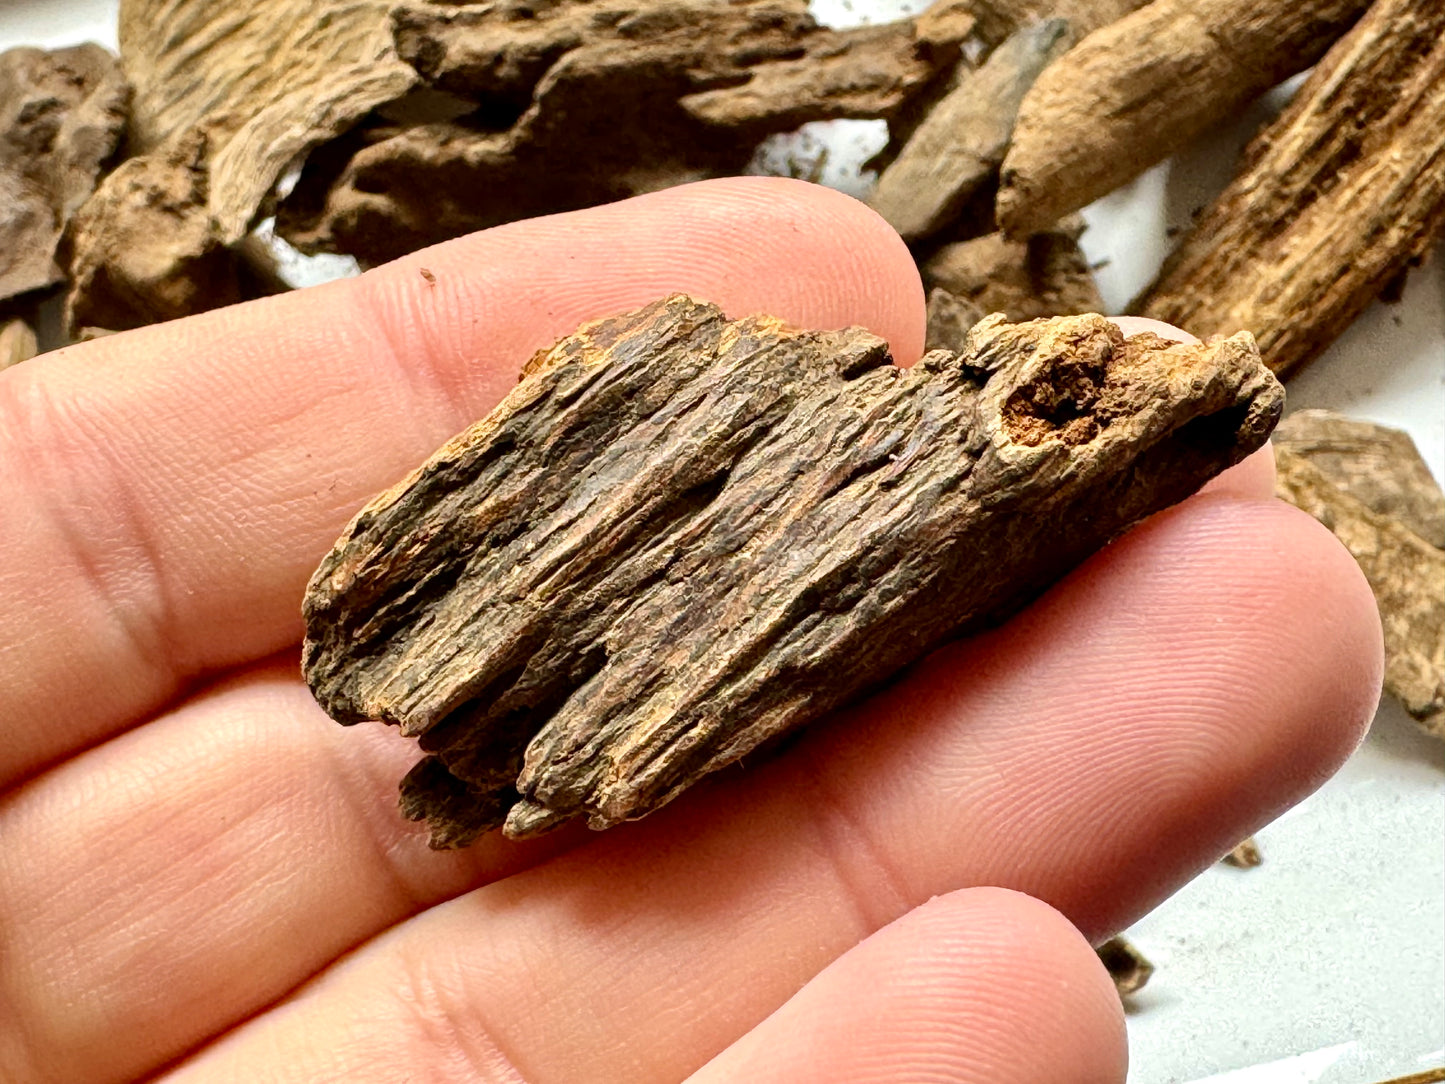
{"points": [[204, 878]]}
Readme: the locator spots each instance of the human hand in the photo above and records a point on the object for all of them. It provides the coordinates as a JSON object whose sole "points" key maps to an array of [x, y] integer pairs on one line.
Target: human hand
{"points": [[202, 876]]}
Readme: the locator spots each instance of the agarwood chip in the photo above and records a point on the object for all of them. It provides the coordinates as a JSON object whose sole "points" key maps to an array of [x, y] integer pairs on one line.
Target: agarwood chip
{"points": [[1043, 275], [61, 116], [1244, 855], [1138, 90], [266, 81], [1333, 201], [1377, 465], [580, 104], [681, 537], [1127, 966], [1406, 573], [144, 247], [228, 97]]}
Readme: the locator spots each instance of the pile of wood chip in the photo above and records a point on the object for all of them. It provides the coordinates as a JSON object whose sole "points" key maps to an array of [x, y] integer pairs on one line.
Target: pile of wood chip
{"points": [[135, 186]]}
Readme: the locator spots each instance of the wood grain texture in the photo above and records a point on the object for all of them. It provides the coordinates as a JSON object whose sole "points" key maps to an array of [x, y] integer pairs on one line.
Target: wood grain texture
{"points": [[1377, 465], [682, 537], [1334, 200], [1136, 91]]}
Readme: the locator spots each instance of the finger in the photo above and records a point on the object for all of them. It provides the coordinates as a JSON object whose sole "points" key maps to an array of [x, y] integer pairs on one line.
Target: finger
{"points": [[1182, 688], [168, 491], [178, 878], [979, 985]]}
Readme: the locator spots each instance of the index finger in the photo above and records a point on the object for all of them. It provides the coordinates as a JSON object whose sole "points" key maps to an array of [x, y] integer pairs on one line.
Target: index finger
{"points": [[170, 489]]}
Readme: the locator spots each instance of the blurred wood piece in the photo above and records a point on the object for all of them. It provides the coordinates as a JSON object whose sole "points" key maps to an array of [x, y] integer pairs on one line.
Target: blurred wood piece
{"points": [[959, 144], [1045, 275], [1126, 965], [1245, 854], [1334, 201], [144, 247], [949, 319], [681, 537], [17, 343], [265, 81], [1136, 91], [1355, 483], [1377, 465], [581, 104], [227, 98], [61, 116]]}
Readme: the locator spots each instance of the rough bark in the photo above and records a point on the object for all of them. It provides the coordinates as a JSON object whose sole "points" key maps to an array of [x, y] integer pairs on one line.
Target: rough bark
{"points": [[949, 319], [61, 116], [1046, 275], [17, 343], [1127, 966], [1334, 201], [587, 103], [1358, 485], [1134, 92], [680, 538], [958, 146]]}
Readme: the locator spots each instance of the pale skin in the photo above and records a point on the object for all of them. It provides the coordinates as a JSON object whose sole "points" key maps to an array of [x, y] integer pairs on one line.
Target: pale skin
{"points": [[202, 878]]}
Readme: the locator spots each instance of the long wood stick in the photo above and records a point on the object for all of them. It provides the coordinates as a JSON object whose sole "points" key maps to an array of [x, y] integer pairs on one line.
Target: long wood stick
{"points": [[1335, 199], [1138, 90]]}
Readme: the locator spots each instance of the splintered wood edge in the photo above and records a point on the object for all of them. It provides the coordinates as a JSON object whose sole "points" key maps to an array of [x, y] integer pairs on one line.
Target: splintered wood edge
{"points": [[1180, 366]]}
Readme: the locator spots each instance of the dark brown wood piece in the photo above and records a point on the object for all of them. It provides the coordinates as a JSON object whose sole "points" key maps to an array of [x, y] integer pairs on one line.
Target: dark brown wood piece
{"points": [[1127, 966], [681, 537], [957, 147], [579, 104]]}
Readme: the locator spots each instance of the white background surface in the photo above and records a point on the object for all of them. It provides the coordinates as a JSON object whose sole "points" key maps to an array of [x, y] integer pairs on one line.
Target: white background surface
{"points": [[1326, 965]]}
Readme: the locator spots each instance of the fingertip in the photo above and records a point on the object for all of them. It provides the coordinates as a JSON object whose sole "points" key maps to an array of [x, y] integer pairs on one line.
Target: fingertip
{"points": [[979, 984], [799, 251]]}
